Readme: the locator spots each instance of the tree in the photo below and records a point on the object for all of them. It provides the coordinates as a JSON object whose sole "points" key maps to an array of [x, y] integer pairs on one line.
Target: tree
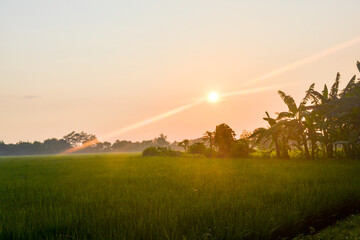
{"points": [[184, 144], [107, 146], [197, 148], [54, 145], [224, 138], [245, 134], [209, 137], [289, 126], [77, 139], [321, 105], [161, 141], [274, 134], [122, 146], [292, 120], [345, 113], [241, 148]]}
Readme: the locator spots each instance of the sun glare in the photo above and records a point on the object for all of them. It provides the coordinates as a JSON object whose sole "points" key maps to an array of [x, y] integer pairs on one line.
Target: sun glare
{"points": [[213, 97]]}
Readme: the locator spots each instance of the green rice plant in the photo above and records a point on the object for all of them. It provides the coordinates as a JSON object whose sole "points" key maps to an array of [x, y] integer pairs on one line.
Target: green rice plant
{"points": [[119, 196]]}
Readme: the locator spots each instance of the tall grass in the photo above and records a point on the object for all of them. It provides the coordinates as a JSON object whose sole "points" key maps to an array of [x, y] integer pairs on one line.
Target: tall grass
{"points": [[126, 196]]}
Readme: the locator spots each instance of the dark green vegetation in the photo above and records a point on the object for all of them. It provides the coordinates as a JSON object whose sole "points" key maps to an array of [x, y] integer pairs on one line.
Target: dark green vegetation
{"points": [[348, 229], [118, 196], [322, 122], [160, 151], [220, 143]]}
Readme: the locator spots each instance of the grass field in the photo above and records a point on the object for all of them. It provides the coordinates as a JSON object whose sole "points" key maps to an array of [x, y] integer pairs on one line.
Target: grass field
{"points": [[348, 229], [119, 196]]}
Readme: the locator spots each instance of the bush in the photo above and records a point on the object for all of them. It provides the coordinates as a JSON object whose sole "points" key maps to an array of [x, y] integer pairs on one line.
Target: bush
{"points": [[210, 153], [197, 148], [159, 151], [241, 148]]}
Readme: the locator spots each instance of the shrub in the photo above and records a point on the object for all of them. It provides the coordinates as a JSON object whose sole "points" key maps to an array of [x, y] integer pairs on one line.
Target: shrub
{"points": [[197, 148], [241, 148], [159, 151]]}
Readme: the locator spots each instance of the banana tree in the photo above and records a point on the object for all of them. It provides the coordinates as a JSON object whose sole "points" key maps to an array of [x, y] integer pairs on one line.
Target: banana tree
{"points": [[345, 112], [263, 135], [293, 118]]}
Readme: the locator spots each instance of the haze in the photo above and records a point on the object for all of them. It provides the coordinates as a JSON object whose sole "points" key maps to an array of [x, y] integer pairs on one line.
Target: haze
{"points": [[98, 66]]}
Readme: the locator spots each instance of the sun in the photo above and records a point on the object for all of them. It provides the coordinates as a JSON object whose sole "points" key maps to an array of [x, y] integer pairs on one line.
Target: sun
{"points": [[213, 97]]}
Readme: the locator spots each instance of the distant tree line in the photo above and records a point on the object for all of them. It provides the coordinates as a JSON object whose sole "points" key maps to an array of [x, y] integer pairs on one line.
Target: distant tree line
{"points": [[75, 139], [49, 146], [324, 124]]}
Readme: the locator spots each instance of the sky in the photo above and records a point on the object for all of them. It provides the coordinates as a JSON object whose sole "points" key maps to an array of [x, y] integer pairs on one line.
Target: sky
{"points": [[101, 66]]}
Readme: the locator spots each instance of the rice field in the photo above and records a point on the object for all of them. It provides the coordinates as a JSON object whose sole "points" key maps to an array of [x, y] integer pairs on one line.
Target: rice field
{"points": [[123, 196]]}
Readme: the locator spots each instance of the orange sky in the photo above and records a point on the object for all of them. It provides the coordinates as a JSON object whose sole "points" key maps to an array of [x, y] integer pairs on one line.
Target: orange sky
{"points": [[96, 67]]}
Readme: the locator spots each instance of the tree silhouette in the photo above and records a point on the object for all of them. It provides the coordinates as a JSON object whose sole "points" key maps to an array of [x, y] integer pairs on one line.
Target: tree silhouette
{"points": [[209, 137], [292, 120], [224, 138], [264, 135], [76, 139], [322, 123], [161, 141], [184, 144]]}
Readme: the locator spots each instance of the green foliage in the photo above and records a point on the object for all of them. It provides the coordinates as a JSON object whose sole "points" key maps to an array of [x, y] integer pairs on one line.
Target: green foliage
{"points": [[197, 148], [159, 151], [184, 144], [161, 141], [208, 137], [240, 149], [331, 123], [335, 87], [348, 229], [224, 138], [290, 102], [118, 196]]}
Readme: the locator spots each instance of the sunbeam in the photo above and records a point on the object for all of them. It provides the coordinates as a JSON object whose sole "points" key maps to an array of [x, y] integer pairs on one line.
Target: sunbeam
{"points": [[135, 126], [252, 90], [166, 115], [304, 61], [214, 96]]}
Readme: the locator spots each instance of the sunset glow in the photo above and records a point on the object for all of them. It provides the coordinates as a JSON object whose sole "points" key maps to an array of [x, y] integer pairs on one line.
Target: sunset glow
{"points": [[179, 119], [213, 97], [95, 67]]}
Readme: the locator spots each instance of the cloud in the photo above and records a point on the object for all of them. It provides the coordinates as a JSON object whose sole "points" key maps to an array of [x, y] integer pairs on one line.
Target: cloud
{"points": [[29, 96]]}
